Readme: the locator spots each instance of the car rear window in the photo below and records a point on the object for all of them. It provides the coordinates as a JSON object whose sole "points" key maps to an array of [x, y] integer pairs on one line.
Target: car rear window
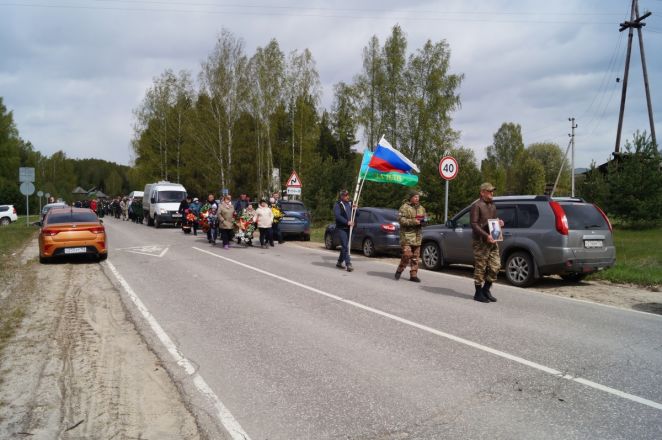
{"points": [[296, 207], [4, 208], [583, 216], [390, 216], [526, 215], [71, 217]]}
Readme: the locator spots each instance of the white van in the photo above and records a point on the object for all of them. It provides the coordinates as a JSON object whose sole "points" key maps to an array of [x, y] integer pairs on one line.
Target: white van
{"points": [[161, 202], [136, 194]]}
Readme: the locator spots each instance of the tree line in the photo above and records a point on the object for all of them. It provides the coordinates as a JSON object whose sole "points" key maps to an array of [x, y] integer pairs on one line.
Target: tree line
{"points": [[56, 174]]}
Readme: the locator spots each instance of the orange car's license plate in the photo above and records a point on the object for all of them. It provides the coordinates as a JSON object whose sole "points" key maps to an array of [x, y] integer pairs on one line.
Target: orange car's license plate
{"points": [[76, 250]]}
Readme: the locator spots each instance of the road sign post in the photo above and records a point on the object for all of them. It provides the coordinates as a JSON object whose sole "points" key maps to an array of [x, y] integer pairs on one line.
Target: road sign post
{"points": [[448, 169], [40, 194], [27, 188], [294, 184]]}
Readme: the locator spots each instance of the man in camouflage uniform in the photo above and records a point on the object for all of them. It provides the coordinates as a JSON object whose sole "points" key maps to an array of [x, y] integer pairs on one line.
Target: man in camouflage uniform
{"points": [[411, 217], [486, 250]]}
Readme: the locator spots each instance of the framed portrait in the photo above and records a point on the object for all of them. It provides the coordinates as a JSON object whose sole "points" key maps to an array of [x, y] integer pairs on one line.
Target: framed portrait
{"points": [[495, 229]]}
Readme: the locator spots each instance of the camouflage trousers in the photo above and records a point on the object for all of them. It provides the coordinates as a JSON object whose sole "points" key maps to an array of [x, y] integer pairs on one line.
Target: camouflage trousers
{"points": [[410, 256], [486, 261]]}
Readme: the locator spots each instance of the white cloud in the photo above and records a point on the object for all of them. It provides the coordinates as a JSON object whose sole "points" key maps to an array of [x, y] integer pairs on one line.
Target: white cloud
{"points": [[72, 76]]}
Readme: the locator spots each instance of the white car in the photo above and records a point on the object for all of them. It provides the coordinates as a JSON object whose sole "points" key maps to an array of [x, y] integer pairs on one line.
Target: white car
{"points": [[7, 214]]}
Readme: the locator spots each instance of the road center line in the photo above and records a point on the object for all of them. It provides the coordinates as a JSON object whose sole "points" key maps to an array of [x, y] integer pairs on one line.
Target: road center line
{"points": [[225, 417], [467, 342]]}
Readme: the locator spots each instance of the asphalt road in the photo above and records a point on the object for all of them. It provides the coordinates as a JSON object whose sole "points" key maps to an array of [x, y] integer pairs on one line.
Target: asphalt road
{"points": [[283, 345]]}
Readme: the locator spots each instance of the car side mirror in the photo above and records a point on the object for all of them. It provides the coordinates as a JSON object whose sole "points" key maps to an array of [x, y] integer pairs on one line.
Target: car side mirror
{"points": [[40, 223], [101, 221], [152, 200], [450, 224]]}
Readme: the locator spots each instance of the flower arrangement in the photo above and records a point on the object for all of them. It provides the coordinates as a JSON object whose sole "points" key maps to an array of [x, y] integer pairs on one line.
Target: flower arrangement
{"points": [[278, 214]]}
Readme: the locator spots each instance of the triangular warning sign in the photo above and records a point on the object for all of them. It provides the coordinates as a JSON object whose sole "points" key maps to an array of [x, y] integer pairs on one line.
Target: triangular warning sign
{"points": [[293, 181]]}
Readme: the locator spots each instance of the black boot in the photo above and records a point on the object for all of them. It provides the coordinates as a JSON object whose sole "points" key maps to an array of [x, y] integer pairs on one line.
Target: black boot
{"points": [[479, 295], [486, 291]]}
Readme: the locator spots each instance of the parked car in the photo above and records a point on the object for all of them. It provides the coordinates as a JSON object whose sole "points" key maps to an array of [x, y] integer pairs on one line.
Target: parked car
{"points": [[49, 206], [376, 231], [7, 214], [72, 231], [542, 236], [296, 219]]}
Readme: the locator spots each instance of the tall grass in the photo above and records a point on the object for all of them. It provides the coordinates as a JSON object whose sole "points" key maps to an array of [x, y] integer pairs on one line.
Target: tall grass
{"points": [[638, 258], [12, 238]]}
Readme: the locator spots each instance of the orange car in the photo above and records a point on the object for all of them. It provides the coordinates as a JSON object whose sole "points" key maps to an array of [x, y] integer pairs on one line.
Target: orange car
{"points": [[72, 231]]}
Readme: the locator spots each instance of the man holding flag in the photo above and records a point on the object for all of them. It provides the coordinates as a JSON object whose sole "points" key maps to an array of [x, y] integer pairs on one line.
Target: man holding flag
{"points": [[342, 211]]}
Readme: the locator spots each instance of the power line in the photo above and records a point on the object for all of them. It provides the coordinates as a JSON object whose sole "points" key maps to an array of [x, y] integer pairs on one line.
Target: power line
{"points": [[421, 17]]}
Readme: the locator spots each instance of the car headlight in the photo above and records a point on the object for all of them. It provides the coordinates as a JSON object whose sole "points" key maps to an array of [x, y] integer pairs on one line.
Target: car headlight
{"points": [[163, 211]]}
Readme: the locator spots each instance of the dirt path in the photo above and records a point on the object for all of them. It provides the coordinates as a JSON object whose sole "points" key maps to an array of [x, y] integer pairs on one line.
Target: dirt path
{"points": [[77, 368], [617, 295]]}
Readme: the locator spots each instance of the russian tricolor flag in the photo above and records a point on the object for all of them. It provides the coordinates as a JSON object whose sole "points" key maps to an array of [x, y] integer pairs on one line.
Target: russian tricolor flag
{"points": [[387, 159]]}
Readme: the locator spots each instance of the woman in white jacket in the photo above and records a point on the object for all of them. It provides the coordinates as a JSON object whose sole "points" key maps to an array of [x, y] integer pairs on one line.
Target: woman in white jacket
{"points": [[264, 218]]}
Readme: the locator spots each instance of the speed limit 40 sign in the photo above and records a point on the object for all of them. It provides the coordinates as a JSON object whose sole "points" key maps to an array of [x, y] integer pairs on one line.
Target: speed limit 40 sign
{"points": [[448, 168]]}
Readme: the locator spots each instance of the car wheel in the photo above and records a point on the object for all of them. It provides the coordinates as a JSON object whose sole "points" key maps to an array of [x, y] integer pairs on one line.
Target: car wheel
{"points": [[369, 248], [150, 221], [156, 222], [328, 242], [431, 256], [4, 221], [306, 237], [520, 271], [573, 277], [103, 257], [43, 260]]}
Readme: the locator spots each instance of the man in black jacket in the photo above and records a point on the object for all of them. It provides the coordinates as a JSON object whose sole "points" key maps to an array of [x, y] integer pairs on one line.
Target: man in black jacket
{"points": [[342, 211]]}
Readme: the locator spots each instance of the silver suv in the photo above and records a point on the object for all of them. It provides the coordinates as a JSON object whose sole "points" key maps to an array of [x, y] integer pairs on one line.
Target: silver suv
{"points": [[542, 236]]}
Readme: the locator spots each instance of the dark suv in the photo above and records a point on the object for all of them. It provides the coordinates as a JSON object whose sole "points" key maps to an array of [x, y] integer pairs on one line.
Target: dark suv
{"points": [[542, 236], [296, 219]]}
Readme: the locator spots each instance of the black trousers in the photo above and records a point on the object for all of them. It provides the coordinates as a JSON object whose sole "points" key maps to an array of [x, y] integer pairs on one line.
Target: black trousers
{"points": [[266, 236]]}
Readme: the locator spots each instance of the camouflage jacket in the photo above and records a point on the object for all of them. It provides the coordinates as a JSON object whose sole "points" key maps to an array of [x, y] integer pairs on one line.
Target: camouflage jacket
{"points": [[410, 232]]}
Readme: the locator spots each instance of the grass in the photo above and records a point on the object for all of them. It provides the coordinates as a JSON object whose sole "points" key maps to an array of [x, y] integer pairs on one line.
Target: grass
{"points": [[638, 258], [13, 236], [317, 231]]}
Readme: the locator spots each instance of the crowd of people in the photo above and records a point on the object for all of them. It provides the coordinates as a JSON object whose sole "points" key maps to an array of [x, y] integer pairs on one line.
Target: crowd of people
{"points": [[238, 220]]}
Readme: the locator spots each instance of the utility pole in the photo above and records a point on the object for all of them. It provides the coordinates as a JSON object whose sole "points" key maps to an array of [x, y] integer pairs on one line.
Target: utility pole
{"points": [[636, 22], [572, 161]]}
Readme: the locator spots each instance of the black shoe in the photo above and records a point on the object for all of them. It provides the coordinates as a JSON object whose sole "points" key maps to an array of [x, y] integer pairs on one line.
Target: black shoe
{"points": [[479, 295], [339, 265], [397, 275], [349, 268], [415, 279], [487, 293]]}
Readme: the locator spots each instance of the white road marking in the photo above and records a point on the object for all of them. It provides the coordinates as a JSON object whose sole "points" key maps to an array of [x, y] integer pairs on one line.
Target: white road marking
{"points": [[225, 417], [467, 342], [151, 251]]}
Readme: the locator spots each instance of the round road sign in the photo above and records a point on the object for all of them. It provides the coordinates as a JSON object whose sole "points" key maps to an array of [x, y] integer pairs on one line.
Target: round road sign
{"points": [[448, 168], [47, 195], [40, 193], [27, 188]]}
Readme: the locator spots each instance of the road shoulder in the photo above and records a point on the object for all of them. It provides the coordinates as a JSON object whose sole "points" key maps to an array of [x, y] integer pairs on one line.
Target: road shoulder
{"points": [[76, 366]]}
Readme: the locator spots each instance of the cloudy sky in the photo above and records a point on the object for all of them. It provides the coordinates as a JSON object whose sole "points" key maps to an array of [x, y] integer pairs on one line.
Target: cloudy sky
{"points": [[72, 71]]}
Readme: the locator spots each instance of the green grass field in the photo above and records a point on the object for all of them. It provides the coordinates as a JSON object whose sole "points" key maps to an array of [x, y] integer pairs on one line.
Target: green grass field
{"points": [[638, 258], [13, 236]]}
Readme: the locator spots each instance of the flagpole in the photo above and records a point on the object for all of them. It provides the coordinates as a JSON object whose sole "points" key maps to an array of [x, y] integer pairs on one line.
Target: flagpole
{"points": [[355, 201]]}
